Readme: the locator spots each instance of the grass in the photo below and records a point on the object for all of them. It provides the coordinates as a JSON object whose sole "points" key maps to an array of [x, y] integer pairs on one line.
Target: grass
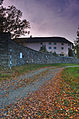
{"points": [[19, 70], [71, 77]]}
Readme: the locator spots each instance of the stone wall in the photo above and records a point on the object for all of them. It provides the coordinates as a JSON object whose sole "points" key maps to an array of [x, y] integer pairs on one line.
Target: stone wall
{"points": [[4, 37], [12, 51], [35, 57]]}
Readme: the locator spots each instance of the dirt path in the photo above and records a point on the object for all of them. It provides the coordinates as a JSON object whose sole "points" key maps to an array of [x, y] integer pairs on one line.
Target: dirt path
{"points": [[16, 89]]}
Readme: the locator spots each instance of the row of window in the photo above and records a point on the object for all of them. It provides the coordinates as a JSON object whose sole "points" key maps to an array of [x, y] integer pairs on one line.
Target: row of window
{"points": [[51, 43], [56, 48], [55, 43]]}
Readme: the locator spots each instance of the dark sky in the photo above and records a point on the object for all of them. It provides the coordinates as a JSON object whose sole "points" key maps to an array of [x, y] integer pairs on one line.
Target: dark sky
{"points": [[50, 17]]}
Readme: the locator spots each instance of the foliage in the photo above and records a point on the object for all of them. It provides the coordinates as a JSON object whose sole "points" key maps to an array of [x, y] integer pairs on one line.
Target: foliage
{"points": [[11, 21], [1, 1], [55, 54], [77, 44], [43, 48], [70, 52]]}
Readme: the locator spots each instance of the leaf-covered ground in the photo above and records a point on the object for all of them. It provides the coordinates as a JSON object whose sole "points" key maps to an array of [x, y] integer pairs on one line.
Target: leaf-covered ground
{"points": [[57, 99]]}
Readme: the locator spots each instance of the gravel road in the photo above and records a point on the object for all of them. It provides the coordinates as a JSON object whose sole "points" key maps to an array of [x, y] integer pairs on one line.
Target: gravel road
{"points": [[13, 90]]}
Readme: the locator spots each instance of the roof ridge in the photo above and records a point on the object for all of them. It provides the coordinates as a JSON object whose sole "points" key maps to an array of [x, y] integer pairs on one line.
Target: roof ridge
{"points": [[44, 39]]}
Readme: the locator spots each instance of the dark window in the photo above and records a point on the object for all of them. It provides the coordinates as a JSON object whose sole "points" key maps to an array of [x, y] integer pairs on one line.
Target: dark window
{"points": [[62, 43], [54, 47], [61, 54], [41, 43], [49, 43], [62, 48], [49, 47], [55, 43], [68, 44]]}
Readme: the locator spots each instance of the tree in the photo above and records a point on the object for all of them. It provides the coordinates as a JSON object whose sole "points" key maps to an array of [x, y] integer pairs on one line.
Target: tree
{"points": [[1, 1], [2, 18], [55, 54], [11, 21], [70, 52], [43, 48], [76, 42]]}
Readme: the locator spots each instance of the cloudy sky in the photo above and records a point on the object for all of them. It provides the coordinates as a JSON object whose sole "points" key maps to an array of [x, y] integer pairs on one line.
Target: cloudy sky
{"points": [[50, 17]]}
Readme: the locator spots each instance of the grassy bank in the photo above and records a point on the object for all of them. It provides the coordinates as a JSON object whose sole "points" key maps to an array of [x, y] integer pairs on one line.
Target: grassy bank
{"points": [[71, 77], [19, 70], [68, 96]]}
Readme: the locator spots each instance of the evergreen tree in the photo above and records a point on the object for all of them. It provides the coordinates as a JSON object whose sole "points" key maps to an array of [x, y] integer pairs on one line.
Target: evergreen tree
{"points": [[43, 48], [77, 44], [55, 54], [70, 52]]}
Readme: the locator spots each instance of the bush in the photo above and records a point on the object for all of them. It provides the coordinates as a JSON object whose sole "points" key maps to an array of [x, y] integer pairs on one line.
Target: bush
{"points": [[43, 48]]}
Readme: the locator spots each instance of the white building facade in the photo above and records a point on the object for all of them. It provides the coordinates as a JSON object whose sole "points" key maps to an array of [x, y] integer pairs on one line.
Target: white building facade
{"points": [[59, 45]]}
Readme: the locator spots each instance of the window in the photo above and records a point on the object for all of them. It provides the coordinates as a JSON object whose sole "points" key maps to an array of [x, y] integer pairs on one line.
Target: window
{"points": [[54, 47], [55, 43], [20, 54], [62, 48], [49, 47], [10, 50], [62, 43], [41, 43], [49, 43], [10, 59], [68, 44], [62, 54]]}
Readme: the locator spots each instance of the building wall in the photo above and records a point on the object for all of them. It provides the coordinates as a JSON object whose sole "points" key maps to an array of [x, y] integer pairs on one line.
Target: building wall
{"points": [[34, 46], [58, 50]]}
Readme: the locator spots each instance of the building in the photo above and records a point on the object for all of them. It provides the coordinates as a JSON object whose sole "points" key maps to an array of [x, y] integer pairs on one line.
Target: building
{"points": [[59, 45], [14, 54]]}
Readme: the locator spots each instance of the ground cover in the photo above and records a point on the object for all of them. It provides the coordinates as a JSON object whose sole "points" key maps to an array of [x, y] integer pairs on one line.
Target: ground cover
{"points": [[68, 97], [20, 70], [57, 99]]}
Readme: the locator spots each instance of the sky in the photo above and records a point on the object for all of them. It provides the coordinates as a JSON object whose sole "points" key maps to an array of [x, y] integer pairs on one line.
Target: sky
{"points": [[50, 17]]}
